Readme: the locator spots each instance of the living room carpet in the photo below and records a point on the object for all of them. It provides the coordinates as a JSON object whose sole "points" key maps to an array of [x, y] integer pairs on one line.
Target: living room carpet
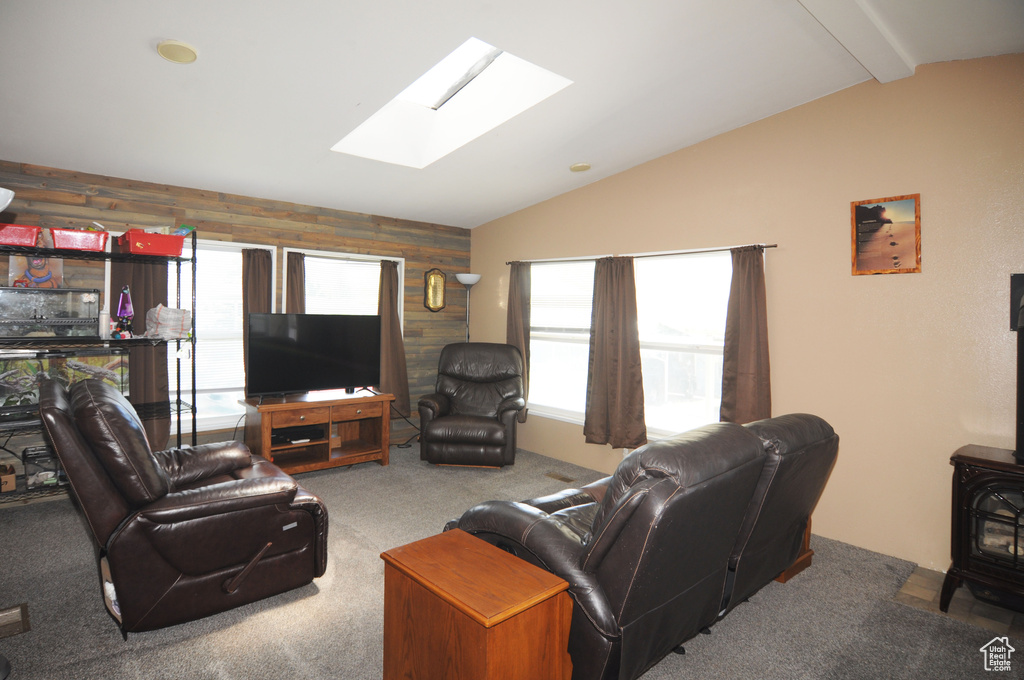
{"points": [[838, 619]]}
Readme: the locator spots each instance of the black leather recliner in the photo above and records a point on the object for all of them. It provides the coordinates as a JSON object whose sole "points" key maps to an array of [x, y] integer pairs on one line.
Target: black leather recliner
{"points": [[654, 553], [182, 533], [471, 418]]}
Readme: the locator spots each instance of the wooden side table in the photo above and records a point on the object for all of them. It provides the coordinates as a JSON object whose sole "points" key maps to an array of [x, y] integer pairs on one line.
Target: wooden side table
{"points": [[458, 608]]}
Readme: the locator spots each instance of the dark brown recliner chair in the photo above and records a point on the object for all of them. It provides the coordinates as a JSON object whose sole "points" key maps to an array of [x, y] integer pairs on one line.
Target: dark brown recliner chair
{"points": [[182, 533], [471, 419], [652, 552]]}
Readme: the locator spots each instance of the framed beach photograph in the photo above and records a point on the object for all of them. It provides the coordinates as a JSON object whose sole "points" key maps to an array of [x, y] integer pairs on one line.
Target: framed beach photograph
{"points": [[887, 235]]}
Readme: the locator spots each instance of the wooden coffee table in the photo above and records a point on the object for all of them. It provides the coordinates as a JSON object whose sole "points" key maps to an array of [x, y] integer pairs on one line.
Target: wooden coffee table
{"points": [[458, 608]]}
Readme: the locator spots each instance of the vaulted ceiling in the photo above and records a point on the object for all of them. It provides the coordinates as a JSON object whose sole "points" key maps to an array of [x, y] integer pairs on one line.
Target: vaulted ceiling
{"points": [[276, 84]]}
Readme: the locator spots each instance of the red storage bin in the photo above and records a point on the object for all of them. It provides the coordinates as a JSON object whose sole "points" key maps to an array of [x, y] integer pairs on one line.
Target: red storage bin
{"points": [[75, 239], [18, 235], [141, 242]]}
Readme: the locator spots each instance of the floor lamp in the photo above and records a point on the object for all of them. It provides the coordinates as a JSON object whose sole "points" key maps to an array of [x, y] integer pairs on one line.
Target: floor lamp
{"points": [[468, 280]]}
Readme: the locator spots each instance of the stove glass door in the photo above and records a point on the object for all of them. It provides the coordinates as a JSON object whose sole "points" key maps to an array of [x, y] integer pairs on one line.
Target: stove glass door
{"points": [[998, 514]]}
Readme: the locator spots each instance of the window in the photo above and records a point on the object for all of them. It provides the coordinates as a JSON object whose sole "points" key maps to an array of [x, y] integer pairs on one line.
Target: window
{"points": [[220, 372], [341, 286], [681, 308], [344, 283], [560, 300]]}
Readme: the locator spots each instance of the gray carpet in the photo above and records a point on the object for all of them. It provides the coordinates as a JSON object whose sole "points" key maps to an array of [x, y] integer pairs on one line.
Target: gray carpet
{"points": [[838, 619]]}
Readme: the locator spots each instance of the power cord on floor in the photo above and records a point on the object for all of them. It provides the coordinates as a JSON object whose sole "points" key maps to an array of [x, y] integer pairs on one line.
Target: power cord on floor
{"points": [[408, 442], [234, 432]]}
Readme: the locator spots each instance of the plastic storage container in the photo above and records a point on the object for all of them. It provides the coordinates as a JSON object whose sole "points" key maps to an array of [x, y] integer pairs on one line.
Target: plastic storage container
{"points": [[140, 242], [77, 239], [18, 235]]}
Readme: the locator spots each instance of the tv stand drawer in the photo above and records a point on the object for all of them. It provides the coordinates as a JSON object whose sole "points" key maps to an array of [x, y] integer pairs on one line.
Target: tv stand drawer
{"points": [[355, 412], [306, 416]]}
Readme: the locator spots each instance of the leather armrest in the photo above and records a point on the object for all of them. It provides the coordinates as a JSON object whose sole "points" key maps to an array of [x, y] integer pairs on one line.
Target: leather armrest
{"points": [[216, 499], [515, 521], [550, 543], [304, 500], [598, 489], [514, 404], [436, 404], [193, 464], [567, 498]]}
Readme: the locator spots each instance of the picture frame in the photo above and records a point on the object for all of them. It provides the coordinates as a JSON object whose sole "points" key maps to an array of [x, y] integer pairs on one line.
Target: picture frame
{"points": [[886, 235]]}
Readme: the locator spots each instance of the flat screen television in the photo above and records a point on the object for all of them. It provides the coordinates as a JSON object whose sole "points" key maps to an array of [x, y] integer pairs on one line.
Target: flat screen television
{"points": [[296, 353]]}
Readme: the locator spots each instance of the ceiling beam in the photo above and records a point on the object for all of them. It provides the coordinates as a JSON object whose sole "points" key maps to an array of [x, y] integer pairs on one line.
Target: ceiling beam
{"points": [[860, 30]]}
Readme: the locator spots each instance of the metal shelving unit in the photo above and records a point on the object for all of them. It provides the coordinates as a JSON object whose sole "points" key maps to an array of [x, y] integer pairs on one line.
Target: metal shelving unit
{"points": [[145, 410]]}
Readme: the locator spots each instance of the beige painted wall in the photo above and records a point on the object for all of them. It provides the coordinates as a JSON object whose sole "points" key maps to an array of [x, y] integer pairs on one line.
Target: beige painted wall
{"points": [[906, 367]]}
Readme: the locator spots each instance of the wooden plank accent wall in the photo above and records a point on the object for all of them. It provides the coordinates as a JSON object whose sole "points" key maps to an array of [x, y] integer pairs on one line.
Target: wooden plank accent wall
{"points": [[49, 197]]}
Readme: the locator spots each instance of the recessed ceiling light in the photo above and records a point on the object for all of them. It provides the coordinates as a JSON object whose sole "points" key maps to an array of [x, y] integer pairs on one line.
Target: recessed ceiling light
{"points": [[579, 167], [467, 94], [176, 51]]}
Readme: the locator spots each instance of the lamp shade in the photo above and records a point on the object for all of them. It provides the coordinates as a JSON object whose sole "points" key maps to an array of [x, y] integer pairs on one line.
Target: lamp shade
{"points": [[6, 196], [467, 279]]}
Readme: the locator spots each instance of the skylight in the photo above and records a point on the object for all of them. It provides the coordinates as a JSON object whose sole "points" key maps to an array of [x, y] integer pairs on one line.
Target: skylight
{"points": [[470, 92]]}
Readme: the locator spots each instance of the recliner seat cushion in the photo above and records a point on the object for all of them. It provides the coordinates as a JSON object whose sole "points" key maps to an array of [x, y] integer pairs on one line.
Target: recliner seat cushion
{"points": [[113, 431], [462, 429]]}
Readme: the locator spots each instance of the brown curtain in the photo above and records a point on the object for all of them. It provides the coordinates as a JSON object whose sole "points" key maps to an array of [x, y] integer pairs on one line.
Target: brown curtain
{"points": [[296, 302], [615, 386], [746, 378], [257, 286], [147, 365], [394, 377], [517, 329]]}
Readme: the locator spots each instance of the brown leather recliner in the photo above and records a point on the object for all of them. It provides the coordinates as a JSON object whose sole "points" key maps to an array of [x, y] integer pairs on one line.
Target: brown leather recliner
{"points": [[471, 418], [183, 533], [652, 552]]}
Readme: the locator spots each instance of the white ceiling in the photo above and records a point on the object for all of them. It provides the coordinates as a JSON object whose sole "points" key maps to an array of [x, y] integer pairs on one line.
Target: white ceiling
{"points": [[278, 83]]}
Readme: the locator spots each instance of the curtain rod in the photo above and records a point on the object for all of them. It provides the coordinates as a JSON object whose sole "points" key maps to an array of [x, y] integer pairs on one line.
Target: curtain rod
{"points": [[670, 252]]}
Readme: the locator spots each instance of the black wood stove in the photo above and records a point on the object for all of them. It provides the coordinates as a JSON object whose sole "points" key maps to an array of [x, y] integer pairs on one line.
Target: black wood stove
{"points": [[988, 527], [988, 504]]}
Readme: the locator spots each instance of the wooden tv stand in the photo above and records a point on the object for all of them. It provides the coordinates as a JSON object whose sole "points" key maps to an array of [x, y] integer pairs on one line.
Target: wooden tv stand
{"points": [[343, 429]]}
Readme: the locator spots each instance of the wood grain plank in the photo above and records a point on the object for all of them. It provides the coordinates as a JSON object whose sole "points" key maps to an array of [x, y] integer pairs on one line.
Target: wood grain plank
{"points": [[54, 197]]}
